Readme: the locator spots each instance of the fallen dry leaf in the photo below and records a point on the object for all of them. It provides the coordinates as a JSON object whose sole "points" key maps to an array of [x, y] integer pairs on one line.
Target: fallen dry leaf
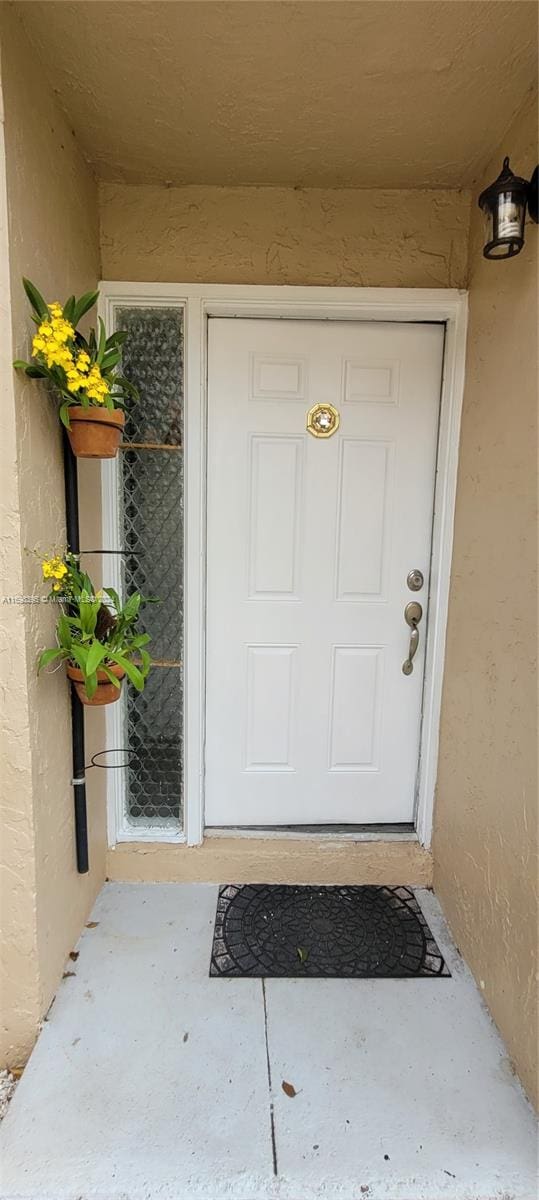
{"points": [[289, 1089], [69, 975], [16, 1072], [92, 924], [74, 954]]}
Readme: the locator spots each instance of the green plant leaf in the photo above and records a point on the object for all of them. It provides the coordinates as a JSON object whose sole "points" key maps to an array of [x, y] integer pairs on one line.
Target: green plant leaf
{"points": [[96, 654], [128, 386], [130, 609], [90, 684], [110, 360], [35, 298], [49, 655], [146, 662], [102, 340], [141, 639], [117, 338], [83, 305], [114, 597], [118, 400], [63, 630], [69, 309], [88, 608], [111, 677], [80, 655], [86, 583], [133, 674], [36, 372], [64, 414]]}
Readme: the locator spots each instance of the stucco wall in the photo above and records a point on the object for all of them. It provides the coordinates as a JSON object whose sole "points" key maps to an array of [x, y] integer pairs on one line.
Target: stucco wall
{"points": [[281, 236], [485, 816], [273, 860], [18, 945], [284, 236], [53, 238], [486, 811]]}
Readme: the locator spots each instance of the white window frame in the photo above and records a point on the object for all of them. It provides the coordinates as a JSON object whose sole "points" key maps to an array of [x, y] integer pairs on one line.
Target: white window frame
{"points": [[199, 302]]}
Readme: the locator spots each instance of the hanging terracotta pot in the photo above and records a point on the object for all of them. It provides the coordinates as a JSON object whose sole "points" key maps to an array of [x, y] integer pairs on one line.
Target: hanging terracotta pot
{"points": [[105, 692], [95, 432]]}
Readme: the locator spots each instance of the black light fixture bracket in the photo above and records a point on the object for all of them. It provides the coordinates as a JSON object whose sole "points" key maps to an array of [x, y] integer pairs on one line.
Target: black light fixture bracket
{"points": [[533, 196]]}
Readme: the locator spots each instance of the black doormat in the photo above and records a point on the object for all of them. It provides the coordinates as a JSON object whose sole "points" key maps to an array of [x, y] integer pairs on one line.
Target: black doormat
{"points": [[322, 932]]}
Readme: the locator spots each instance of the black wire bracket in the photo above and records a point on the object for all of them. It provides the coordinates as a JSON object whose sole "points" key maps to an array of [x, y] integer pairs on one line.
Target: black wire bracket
{"points": [[131, 754]]}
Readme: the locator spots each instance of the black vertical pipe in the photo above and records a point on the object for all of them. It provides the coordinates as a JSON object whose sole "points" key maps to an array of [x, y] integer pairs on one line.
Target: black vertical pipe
{"points": [[77, 711]]}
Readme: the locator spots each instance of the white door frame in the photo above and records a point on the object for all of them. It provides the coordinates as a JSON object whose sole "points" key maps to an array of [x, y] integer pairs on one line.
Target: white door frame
{"points": [[201, 301]]}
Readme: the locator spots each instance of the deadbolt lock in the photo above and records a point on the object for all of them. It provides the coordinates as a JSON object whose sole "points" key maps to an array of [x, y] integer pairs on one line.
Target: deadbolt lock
{"points": [[415, 580]]}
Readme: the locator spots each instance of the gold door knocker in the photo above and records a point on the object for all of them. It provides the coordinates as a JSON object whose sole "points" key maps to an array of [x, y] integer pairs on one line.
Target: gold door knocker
{"points": [[322, 420]]}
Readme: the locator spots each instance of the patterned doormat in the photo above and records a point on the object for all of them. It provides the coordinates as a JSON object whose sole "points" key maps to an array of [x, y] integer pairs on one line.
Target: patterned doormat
{"points": [[322, 933]]}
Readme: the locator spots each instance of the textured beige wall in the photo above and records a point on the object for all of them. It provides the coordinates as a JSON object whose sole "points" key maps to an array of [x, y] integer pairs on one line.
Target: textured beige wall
{"points": [[53, 239], [284, 236], [294, 236], [486, 812], [486, 817], [273, 860], [252, 235], [18, 944], [281, 236]]}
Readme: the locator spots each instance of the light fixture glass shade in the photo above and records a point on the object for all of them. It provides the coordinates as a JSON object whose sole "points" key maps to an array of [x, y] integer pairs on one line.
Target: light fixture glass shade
{"points": [[504, 208]]}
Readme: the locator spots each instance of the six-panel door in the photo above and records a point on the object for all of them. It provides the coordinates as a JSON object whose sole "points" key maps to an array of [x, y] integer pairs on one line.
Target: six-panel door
{"points": [[310, 718]]}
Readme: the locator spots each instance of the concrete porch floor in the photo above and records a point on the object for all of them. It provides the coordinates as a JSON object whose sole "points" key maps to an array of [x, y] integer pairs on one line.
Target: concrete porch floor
{"points": [[151, 1080]]}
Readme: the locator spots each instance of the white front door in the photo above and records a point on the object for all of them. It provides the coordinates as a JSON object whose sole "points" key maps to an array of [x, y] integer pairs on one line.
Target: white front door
{"points": [[310, 717]]}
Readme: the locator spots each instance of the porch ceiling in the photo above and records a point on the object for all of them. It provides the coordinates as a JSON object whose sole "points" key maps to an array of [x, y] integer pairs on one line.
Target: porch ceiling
{"points": [[343, 94]]}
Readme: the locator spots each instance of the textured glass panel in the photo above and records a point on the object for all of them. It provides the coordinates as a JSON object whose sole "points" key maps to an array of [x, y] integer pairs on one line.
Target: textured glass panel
{"points": [[153, 361], [152, 519], [155, 737]]}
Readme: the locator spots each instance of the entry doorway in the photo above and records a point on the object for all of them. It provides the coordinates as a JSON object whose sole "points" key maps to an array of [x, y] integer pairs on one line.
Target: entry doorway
{"points": [[203, 307], [322, 450]]}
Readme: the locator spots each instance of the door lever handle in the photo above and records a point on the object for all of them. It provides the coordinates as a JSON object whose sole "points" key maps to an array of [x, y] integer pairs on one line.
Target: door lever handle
{"points": [[412, 615]]}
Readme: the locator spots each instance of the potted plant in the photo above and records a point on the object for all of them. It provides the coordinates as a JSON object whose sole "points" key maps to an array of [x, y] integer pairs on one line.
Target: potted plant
{"points": [[98, 640], [83, 372]]}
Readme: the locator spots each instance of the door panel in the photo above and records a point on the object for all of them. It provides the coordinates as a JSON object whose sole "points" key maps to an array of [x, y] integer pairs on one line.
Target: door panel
{"points": [[355, 702], [310, 718], [274, 515], [270, 672], [364, 485]]}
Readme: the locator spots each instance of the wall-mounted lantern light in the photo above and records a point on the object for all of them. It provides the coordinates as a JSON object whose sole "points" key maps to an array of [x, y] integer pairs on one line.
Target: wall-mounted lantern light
{"points": [[504, 205]]}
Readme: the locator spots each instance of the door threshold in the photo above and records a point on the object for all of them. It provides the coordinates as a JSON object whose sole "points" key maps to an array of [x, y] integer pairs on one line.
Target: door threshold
{"points": [[404, 832]]}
